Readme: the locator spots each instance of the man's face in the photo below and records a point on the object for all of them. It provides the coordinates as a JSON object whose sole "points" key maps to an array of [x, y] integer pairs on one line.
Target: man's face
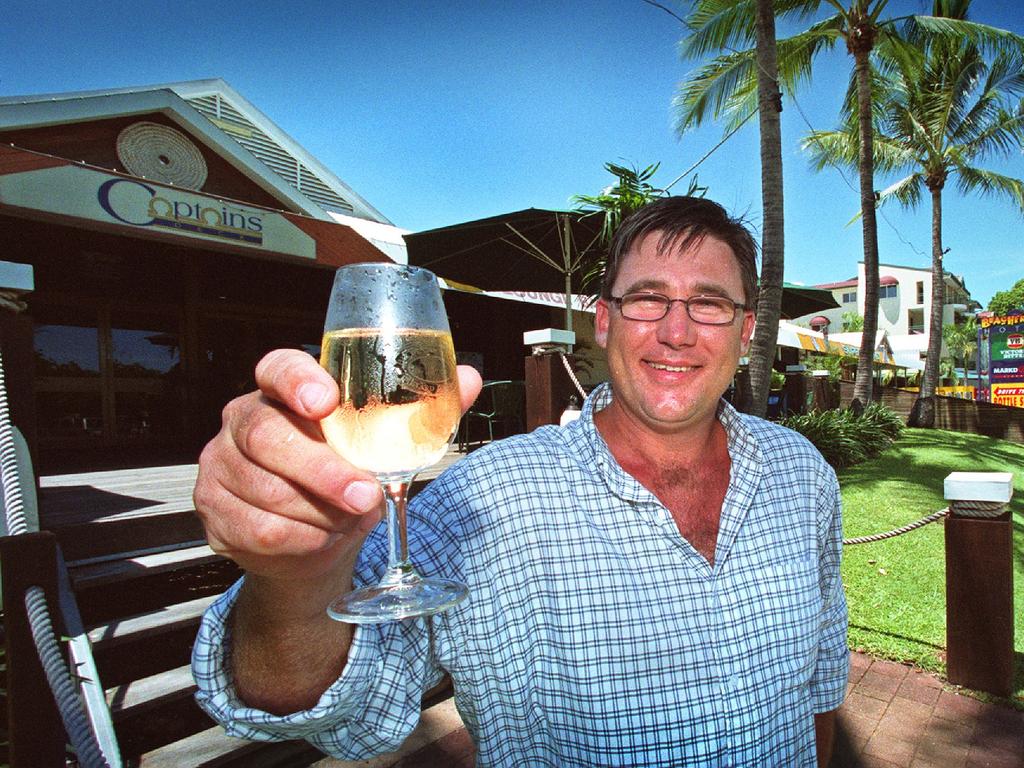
{"points": [[669, 374]]}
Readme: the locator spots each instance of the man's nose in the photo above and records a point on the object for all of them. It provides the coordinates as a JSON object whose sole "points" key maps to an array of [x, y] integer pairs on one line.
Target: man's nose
{"points": [[676, 328]]}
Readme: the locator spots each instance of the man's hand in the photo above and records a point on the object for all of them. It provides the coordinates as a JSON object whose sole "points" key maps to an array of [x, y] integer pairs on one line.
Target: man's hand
{"points": [[271, 493]]}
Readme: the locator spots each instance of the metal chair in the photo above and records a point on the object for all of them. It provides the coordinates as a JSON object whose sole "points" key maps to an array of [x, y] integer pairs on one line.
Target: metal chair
{"points": [[501, 403]]}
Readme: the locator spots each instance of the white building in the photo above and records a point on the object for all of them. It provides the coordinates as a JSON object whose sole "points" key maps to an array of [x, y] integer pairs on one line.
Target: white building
{"points": [[904, 307]]}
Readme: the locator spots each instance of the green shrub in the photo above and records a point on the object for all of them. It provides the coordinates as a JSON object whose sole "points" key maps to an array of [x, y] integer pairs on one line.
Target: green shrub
{"points": [[884, 419], [845, 439]]}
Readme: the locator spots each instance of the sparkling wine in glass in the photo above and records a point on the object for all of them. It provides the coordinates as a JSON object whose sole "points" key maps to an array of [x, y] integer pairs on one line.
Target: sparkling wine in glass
{"points": [[387, 344]]}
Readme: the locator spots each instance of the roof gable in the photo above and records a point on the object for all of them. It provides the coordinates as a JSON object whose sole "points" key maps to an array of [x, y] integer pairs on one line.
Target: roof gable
{"points": [[228, 129]]}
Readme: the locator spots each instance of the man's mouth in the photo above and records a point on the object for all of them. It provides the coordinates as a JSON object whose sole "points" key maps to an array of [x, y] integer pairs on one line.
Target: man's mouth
{"points": [[672, 368]]}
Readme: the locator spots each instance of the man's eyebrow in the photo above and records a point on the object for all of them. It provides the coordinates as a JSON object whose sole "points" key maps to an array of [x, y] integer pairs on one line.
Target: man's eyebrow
{"points": [[647, 284]]}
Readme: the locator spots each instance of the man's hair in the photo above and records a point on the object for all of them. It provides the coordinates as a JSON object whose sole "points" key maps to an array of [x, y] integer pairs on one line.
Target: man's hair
{"points": [[683, 222]]}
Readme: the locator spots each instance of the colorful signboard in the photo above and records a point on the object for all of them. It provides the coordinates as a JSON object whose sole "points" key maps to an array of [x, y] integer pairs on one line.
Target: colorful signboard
{"points": [[1001, 344], [1008, 394]]}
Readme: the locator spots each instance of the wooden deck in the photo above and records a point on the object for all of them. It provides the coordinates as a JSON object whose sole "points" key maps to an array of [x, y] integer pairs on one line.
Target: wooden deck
{"points": [[89, 497]]}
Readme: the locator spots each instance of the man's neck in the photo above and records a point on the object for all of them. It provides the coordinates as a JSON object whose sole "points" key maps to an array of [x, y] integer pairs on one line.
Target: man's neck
{"points": [[632, 441]]}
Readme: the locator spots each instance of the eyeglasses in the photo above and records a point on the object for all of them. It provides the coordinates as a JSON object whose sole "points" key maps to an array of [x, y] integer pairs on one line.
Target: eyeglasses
{"points": [[706, 310]]}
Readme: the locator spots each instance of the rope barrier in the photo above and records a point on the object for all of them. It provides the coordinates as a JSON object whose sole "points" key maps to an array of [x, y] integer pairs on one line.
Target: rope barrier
{"points": [[898, 531], [572, 375]]}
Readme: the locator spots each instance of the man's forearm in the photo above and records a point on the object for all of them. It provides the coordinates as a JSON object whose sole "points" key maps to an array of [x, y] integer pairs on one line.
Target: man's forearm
{"points": [[824, 736], [285, 650]]}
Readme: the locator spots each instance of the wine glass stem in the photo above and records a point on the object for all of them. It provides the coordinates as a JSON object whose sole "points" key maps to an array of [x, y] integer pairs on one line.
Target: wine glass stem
{"points": [[400, 570]]}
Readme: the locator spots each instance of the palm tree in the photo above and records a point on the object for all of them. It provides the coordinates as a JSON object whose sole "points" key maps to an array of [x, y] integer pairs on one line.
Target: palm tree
{"points": [[713, 26], [727, 86], [942, 107]]}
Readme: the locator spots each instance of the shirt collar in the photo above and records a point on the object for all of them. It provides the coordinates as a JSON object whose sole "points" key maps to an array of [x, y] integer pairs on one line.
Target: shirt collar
{"points": [[744, 453]]}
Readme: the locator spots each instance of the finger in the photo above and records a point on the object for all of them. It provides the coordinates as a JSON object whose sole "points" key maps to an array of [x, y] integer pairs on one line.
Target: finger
{"points": [[241, 530], [294, 379], [266, 455], [469, 385]]}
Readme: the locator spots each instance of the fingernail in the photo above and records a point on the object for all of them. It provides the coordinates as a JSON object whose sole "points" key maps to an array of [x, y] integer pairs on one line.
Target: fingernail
{"points": [[311, 395], [362, 496]]}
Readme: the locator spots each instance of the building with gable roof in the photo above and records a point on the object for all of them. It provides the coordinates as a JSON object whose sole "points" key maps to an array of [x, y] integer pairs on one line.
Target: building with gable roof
{"points": [[175, 235]]}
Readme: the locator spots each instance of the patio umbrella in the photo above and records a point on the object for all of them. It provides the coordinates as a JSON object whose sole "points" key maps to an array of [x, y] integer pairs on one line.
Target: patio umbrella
{"points": [[526, 251], [800, 300], [530, 250]]}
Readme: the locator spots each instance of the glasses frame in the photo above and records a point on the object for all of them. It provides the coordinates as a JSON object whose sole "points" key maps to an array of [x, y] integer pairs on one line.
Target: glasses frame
{"points": [[618, 301]]}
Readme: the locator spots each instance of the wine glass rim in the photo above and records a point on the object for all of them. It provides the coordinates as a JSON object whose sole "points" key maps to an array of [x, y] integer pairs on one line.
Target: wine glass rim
{"points": [[374, 265]]}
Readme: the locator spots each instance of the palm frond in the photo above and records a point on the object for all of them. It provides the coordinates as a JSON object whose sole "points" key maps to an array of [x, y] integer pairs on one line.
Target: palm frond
{"points": [[908, 191], [832, 149], [989, 39], [708, 92], [1002, 134], [990, 183], [718, 25]]}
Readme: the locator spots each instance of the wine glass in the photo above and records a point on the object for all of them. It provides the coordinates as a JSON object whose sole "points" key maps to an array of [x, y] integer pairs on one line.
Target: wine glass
{"points": [[387, 344]]}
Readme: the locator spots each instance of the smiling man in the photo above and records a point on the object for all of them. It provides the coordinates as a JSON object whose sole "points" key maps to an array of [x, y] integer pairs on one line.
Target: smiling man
{"points": [[654, 584]]}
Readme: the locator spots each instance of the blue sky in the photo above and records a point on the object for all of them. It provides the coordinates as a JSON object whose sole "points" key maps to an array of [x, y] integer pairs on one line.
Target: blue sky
{"points": [[443, 112]]}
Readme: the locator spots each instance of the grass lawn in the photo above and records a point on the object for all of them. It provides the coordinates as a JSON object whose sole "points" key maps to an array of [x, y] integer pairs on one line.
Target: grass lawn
{"points": [[896, 587]]}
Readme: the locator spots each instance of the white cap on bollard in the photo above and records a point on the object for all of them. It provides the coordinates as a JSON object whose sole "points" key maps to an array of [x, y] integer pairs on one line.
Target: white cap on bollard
{"points": [[996, 487]]}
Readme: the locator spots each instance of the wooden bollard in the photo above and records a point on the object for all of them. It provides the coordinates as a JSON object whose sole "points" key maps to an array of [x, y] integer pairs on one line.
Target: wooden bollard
{"points": [[548, 386], [979, 581]]}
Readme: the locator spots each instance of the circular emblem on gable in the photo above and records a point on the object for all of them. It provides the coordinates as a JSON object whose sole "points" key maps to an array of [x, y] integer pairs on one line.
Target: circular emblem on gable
{"points": [[160, 153]]}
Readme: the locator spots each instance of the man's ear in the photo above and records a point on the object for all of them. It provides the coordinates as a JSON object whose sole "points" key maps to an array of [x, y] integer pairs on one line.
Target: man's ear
{"points": [[746, 333], [601, 319]]}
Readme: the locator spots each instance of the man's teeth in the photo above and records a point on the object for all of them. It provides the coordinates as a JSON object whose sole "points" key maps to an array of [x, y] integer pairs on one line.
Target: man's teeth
{"points": [[673, 368]]}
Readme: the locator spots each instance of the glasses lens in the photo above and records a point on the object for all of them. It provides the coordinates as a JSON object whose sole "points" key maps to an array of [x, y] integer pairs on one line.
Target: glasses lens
{"points": [[713, 310], [644, 306]]}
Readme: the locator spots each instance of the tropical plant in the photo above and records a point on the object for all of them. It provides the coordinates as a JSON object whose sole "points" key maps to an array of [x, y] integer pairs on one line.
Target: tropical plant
{"points": [[961, 340], [631, 191], [1004, 302], [844, 437], [940, 108], [852, 321]]}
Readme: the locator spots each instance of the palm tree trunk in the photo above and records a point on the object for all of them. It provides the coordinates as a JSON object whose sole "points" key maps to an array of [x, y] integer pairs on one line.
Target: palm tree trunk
{"points": [[769, 99], [923, 412], [865, 360]]}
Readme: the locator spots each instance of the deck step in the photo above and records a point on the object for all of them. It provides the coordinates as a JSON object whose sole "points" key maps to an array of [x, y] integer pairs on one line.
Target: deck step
{"points": [[139, 646], [138, 696], [150, 625], [87, 575], [98, 538], [213, 748], [155, 710]]}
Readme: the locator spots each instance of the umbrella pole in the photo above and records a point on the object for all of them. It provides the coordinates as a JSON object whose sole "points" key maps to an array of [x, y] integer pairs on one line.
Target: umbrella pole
{"points": [[568, 275]]}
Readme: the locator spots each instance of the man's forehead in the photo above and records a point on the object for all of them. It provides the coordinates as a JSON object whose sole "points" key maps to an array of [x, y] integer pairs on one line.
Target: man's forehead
{"points": [[665, 253]]}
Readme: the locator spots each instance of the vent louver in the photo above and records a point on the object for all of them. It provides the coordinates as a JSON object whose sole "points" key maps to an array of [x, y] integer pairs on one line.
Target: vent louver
{"points": [[222, 114]]}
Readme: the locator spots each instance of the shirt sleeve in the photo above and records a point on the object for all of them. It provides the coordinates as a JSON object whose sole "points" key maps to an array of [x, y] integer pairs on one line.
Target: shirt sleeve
{"points": [[369, 710], [828, 686]]}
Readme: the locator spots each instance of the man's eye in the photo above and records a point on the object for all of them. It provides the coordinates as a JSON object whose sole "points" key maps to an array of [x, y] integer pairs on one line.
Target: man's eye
{"points": [[646, 301]]}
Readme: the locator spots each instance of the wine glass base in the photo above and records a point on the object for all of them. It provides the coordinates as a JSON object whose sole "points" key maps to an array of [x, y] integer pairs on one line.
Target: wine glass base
{"points": [[376, 605]]}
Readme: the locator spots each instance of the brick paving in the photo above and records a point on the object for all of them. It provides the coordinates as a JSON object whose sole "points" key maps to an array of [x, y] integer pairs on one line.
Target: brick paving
{"points": [[897, 717], [894, 717]]}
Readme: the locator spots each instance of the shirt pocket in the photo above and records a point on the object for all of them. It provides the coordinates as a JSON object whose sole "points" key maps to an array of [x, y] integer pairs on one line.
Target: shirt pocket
{"points": [[783, 614]]}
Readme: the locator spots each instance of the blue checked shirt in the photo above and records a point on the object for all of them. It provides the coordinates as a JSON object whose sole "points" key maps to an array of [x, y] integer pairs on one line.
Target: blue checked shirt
{"points": [[594, 634]]}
